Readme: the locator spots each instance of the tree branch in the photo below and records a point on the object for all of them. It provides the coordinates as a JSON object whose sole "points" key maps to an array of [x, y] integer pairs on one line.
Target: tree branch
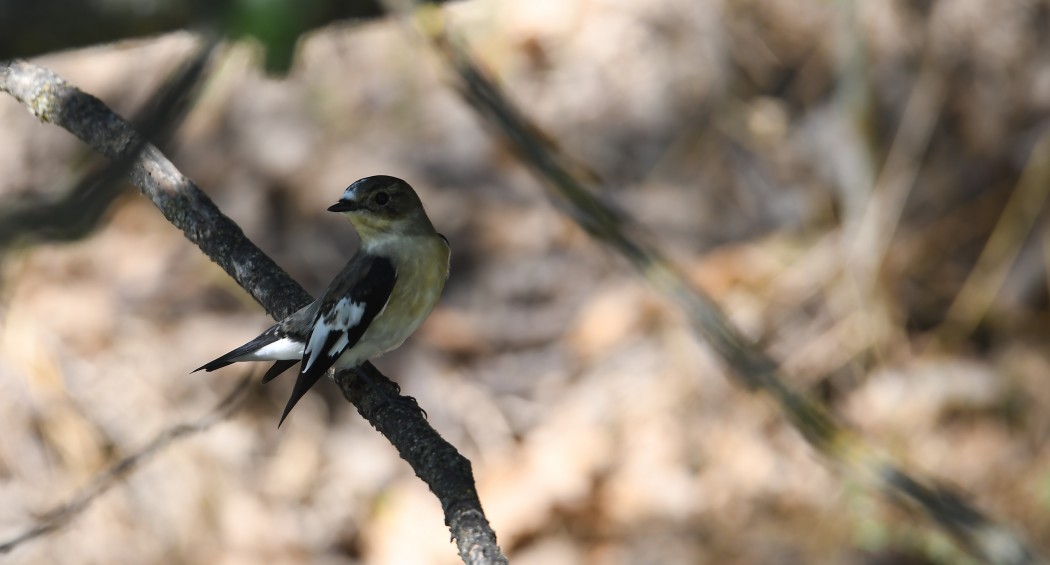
{"points": [[446, 472]]}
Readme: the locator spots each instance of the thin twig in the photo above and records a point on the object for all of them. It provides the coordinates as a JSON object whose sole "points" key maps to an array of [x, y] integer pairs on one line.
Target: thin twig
{"points": [[61, 515], [1026, 204]]}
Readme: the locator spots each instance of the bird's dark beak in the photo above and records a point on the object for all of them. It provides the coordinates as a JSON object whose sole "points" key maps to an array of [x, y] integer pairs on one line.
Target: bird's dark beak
{"points": [[344, 206]]}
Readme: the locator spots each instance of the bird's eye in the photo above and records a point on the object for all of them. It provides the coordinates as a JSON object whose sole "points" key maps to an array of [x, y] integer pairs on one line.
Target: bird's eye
{"points": [[381, 198]]}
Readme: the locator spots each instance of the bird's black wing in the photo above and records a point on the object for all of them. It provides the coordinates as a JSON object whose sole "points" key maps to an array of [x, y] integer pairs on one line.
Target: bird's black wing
{"points": [[357, 295]]}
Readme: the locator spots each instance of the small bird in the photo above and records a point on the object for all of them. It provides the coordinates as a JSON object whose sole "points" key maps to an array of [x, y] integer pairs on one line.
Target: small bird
{"points": [[379, 298]]}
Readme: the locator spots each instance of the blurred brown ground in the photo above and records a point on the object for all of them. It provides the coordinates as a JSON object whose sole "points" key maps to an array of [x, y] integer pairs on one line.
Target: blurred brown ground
{"points": [[746, 136]]}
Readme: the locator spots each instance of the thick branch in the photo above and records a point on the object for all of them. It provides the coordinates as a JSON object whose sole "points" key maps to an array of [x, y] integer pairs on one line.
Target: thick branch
{"points": [[30, 28], [445, 471], [425, 450]]}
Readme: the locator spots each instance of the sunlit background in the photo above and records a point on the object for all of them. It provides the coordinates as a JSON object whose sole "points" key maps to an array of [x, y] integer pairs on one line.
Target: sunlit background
{"points": [[862, 185]]}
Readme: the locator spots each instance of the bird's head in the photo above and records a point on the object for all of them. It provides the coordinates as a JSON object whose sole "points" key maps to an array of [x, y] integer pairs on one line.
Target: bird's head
{"points": [[383, 205]]}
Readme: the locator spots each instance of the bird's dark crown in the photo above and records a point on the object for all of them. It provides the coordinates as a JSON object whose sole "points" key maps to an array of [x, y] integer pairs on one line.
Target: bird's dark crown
{"points": [[381, 195]]}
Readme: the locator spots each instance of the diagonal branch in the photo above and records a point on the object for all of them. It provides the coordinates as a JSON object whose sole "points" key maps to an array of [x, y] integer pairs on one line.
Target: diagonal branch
{"points": [[446, 472], [980, 535]]}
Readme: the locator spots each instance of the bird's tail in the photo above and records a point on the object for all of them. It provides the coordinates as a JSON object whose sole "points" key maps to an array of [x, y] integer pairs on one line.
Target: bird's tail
{"points": [[302, 384], [278, 368], [216, 364], [264, 339]]}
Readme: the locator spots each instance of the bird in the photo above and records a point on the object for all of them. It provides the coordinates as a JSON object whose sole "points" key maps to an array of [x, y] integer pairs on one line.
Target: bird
{"points": [[376, 301]]}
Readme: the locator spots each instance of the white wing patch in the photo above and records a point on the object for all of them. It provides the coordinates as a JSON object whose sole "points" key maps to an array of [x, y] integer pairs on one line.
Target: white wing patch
{"points": [[345, 315], [284, 349]]}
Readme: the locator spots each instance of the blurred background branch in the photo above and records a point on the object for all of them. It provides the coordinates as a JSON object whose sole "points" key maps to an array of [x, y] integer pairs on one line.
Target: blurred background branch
{"points": [[989, 541], [34, 28], [72, 213], [1015, 225]]}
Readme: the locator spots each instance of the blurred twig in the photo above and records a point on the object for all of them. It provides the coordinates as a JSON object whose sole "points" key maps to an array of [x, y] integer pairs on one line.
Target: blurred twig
{"points": [[855, 101], [437, 463], [56, 518], [753, 368], [1026, 204], [868, 238]]}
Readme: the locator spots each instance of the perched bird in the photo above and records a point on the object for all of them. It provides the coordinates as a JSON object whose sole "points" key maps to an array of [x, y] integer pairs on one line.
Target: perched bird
{"points": [[379, 298]]}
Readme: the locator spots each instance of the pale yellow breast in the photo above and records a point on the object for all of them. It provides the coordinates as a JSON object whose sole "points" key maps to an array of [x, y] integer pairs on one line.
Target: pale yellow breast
{"points": [[422, 264]]}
